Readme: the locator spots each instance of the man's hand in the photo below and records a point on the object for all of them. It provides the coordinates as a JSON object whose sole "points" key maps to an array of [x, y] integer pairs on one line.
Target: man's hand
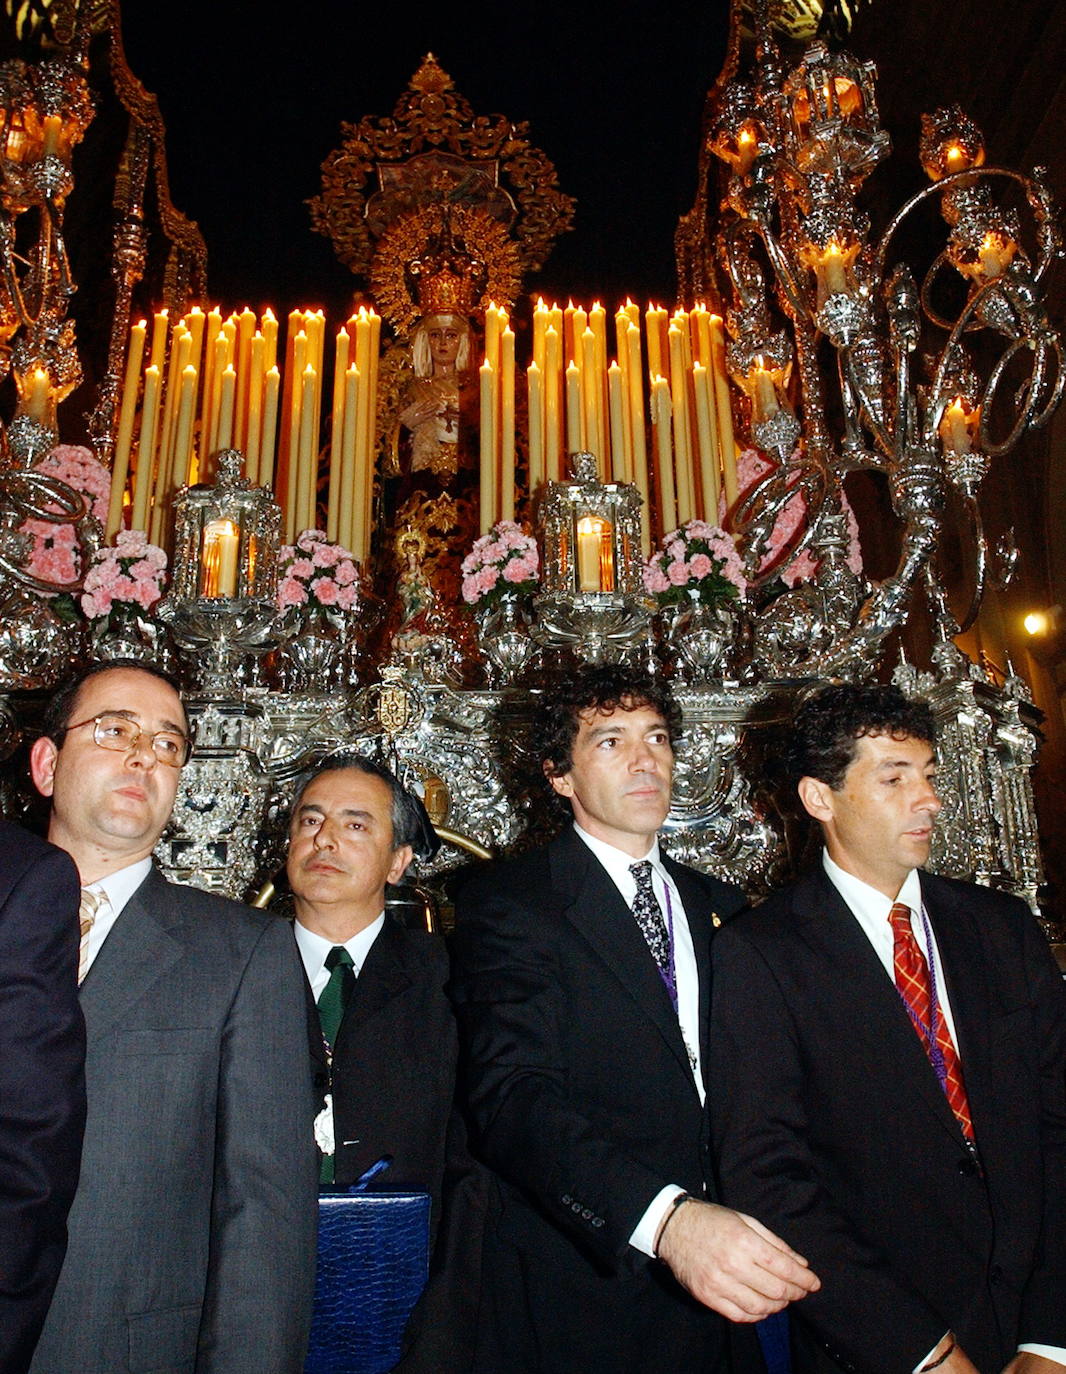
{"points": [[1028, 1362], [733, 1264]]}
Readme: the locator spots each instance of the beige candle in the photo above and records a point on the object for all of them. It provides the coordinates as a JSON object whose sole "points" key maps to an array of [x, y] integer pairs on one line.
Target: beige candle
{"points": [[253, 444], [195, 322], [227, 403], [142, 482], [954, 431], [686, 502], [619, 466], [575, 418], [553, 409], [660, 402], [210, 387], [351, 523], [183, 428], [126, 419], [371, 402], [589, 541], [707, 428], [507, 444], [655, 327], [269, 330], [158, 351], [271, 395], [724, 411], [306, 454], [540, 324], [336, 431], [493, 326], [243, 354], [228, 549], [591, 403], [488, 447], [535, 407], [638, 433]]}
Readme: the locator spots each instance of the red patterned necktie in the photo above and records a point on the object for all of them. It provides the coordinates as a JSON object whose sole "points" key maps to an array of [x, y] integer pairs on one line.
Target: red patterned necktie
{"points": [[912, 983]]}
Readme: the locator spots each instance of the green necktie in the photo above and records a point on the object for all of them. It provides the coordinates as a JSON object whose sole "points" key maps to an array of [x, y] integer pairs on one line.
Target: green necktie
{"points": [[331, 1003]]}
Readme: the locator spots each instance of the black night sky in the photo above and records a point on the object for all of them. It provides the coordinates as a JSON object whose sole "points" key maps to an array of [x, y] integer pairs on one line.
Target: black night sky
{"points": [[613, 95]]}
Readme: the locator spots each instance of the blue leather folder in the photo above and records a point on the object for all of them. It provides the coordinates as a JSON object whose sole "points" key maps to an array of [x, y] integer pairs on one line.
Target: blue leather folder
{"points": [[373, 1261]]}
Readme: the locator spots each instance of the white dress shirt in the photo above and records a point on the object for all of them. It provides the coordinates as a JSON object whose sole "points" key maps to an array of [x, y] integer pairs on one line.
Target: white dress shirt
{"points": [[117, 888], [314, 949], [616, 863]]}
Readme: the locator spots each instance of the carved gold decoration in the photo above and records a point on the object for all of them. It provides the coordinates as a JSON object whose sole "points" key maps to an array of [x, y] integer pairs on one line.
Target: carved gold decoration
{"points": [[432, 153], [449, 291]]}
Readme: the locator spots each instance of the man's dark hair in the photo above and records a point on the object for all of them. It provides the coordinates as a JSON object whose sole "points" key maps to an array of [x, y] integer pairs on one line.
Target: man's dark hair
{"points": [[826, 729], [60, 709], [610, 687], [409, 819]]}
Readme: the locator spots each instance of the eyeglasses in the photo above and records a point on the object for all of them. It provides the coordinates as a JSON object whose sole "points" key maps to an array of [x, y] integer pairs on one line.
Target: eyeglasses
{"points": [[122, 736]]}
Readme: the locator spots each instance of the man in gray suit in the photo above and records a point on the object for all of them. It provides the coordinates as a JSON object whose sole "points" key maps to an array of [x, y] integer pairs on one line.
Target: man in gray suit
{"points": [[192, 1235]]}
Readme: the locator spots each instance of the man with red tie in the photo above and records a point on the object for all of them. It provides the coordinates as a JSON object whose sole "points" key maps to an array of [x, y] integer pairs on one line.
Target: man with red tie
{"points": [[890, 1048]]}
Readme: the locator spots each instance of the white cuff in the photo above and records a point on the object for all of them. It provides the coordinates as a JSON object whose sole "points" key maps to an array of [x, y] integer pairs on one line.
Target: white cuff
{"points": [[647, 1228]]}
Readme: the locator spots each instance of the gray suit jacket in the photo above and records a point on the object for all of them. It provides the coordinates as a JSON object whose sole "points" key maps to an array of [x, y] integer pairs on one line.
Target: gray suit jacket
{"points": [[192, 1236]]}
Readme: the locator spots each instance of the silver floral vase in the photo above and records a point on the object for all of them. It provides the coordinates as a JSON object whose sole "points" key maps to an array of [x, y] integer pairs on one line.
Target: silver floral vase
{"points": [[312, 656], [503, 637], [130, 636], [702, 638]]}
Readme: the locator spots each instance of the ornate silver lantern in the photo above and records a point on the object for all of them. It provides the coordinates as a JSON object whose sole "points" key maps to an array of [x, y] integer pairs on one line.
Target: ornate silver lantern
{"points": [[591, 593], [221, 606]]}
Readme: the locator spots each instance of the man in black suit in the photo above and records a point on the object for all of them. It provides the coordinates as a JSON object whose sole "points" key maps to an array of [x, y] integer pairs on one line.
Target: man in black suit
{"points": [[892, 1051], [42, 1081], [385, 1054], [192, 1234], [582, 988]]}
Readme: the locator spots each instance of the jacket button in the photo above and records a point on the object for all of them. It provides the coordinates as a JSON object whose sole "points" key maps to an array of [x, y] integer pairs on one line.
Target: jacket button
{"points": [[567, 1199], [967, 1166], [597, 1221]]}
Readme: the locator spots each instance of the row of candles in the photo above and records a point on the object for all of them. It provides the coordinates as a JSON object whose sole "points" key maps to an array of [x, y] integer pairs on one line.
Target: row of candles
{"points": [[203, 383], [578, 402], [211, 383]]}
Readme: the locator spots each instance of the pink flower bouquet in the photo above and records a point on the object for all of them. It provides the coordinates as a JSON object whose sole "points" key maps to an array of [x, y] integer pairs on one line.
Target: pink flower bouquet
{"points": [[318, 575], [502, 564], [697, 562], [55, 555], [124, 581]]}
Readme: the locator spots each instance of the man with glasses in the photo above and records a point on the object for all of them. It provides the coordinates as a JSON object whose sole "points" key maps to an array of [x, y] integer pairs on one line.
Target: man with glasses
{"points": [[192, 1235]]}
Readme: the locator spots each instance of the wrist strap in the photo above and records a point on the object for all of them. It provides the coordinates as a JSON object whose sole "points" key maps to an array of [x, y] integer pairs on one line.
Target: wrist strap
{"points": [[675, 1204]]}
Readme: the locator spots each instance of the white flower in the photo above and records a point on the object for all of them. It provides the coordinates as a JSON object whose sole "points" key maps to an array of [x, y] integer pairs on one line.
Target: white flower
{"points": [[324, 1137]]}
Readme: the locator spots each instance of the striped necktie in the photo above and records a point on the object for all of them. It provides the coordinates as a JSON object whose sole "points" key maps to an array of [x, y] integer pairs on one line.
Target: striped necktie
{"points": [[912, 983], [88, 909]]}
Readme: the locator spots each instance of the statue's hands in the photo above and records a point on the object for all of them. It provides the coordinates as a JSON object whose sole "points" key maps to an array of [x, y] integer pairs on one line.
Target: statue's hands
{"points": [[418, 412]]}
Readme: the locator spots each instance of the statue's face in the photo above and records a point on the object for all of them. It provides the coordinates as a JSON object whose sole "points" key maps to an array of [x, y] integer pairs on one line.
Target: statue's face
{"points": [[444, 341]]}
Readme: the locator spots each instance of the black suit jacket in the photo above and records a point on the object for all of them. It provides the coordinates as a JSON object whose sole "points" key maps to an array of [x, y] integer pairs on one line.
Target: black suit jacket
{"points": [[42, 1081], [835, 1131], [394, 1095], [585, 1106]]}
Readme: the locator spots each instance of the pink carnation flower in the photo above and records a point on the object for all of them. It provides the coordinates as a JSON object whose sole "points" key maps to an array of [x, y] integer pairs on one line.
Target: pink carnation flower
{"points": [[700, 566], [326, 591], [677, 572], [291, 592]]}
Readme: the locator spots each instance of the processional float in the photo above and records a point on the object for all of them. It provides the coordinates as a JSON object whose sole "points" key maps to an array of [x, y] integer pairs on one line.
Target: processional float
{"points": [[389, 534]]}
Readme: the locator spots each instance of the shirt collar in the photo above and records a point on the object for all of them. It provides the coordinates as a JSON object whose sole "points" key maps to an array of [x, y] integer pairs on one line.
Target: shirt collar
{"points": [[616, 861], [866, 901], [314, 948], [119, 887]]}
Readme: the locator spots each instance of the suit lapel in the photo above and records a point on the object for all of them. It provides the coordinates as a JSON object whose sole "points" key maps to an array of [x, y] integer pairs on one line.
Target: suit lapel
{"points": [[138, 952], [383, 976], [863, 996], [593, 904]]}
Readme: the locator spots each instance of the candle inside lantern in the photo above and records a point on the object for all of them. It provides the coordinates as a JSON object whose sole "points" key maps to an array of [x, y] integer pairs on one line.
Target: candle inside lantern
{"points": [[958, 425], [218, 559], [595, 562], [764, 400]]}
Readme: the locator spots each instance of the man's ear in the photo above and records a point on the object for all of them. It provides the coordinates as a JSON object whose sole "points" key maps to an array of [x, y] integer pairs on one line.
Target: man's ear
{"points": [[401, 859], [43, 756], [560, 781], [816, 797]]}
